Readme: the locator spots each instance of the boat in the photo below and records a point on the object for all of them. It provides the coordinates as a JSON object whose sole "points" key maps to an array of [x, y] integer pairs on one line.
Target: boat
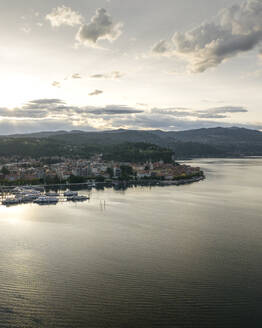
{"points": [[16, 189], [46, 200], [70, 193], [52, 194], [11, 201], [27, 187], [29, 198], [25, 192], [39, 188], [77, 198]]}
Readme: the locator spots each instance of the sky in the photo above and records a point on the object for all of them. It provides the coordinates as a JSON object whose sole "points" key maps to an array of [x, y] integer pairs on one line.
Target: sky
{"points": [[110, 64]]}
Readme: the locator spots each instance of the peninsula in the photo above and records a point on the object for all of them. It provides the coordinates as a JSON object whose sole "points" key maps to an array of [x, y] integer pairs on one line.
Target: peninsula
{"points": [[130, 162]]}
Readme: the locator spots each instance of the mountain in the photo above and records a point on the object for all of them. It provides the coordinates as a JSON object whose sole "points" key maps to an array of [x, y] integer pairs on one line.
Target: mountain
{"points": [[218, 136], [44, 134], [218, 141]]}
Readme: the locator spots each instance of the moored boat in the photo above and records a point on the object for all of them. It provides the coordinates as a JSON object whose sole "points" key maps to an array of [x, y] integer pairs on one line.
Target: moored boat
{"points": [[77, 198], [29, 198], [46, 200], [70, 193], [11, 201], [52, 194]]}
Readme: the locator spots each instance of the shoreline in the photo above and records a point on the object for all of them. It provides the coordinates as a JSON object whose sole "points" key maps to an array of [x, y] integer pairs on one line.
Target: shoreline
{"points": [[100, 185], [183, 181]]}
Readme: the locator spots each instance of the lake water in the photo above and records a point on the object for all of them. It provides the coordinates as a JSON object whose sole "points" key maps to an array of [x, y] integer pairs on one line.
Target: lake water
{"points": [[185, 256]]}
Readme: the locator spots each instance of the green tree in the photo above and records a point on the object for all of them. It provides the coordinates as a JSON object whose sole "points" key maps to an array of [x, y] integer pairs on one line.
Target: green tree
{"points": [[110, 172], [5, 171], [100, 178], [126, 171]]}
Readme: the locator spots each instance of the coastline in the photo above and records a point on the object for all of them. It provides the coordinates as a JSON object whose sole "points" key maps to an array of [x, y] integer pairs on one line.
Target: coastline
{"points": [[117, 184]]}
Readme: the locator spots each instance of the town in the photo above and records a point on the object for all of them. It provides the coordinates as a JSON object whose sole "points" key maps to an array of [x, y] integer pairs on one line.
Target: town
{"points": [[59, 170]]}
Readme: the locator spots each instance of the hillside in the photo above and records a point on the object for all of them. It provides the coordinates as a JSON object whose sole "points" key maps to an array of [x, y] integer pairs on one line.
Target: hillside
{"points": [[45, 147], [193, 143]]}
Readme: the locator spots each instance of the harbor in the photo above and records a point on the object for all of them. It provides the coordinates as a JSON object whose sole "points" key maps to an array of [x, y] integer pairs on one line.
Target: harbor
{"points": [[53, 194], [38, 195]]}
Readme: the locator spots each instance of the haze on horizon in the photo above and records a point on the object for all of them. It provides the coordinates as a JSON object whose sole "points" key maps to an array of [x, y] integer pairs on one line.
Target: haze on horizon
{"points": [[110, 64]]}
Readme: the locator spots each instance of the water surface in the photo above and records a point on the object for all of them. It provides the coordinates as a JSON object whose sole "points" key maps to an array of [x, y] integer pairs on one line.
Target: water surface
{"points": [[179, 256]]}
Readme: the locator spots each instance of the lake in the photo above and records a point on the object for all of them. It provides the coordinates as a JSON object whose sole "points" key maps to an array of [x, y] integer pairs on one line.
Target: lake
{"points": [[178, 256]]}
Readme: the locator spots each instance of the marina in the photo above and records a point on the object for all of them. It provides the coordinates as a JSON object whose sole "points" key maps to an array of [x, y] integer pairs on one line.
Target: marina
{"points": [[52, 194], [26, 194]]}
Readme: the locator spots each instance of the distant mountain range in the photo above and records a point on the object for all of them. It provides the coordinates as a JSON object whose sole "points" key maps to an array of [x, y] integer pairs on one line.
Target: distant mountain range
{"points": [[192, 143]]}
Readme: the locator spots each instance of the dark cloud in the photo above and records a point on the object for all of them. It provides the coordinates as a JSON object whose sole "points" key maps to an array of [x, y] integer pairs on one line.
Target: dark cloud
{"points": [[212, 113], [114, 110], [42, 104], [40, 114], [101, 27], [47, 101], [56, 108], [238, 29], [41, 108], [228, 109], [173, 124]]}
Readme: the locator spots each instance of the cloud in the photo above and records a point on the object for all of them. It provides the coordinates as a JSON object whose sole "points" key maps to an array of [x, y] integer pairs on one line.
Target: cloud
{"points": [[56, 84], [8, 126], [112, 75], [228, 109], [115, 110], [163, 47], [76, 76], [210, 113], [220, 112], [53, 113], [22, 113], [64, 16], [173, 124], [41, 108], [56, 108], [95, 93], [30, 126], [26, 29], [44, 102], [237, 29], [101, 27]]}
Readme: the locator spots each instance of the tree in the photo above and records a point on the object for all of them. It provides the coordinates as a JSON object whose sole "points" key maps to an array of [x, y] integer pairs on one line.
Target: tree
{"points": [[5, 171], [100, 178], [110, 172], [126, 171], [75, 179]]}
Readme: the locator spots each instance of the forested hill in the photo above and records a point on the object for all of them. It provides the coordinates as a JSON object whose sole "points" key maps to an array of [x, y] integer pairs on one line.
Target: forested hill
{"points": [[47, 147], [193, 143]]}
